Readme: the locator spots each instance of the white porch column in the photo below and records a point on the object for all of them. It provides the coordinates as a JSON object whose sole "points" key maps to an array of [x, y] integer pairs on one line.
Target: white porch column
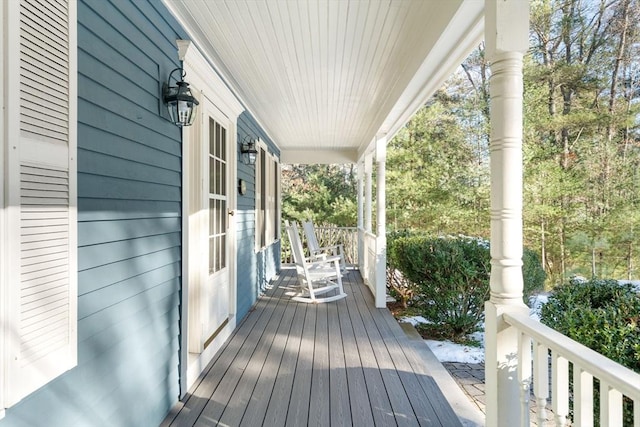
{"points": [[506, 39], [368, 166], [360, 224], [381, 223]]}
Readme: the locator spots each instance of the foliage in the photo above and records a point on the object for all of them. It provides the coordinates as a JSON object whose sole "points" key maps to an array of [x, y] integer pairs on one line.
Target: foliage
{"points": [[533, 274], [435, 178], [601, 314], [581, 136], [449, 279], [322, 193]]}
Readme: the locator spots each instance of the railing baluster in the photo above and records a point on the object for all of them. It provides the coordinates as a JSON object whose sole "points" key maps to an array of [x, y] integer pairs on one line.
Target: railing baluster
{"points": [[524, 376], [541, 380], [610, 406], [582, 397], [636, 413], [560, 394]]}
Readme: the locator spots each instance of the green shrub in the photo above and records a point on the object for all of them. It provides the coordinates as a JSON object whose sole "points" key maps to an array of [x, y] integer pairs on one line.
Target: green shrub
{"points": [[447, 280], [400, 288], [602, 315]]}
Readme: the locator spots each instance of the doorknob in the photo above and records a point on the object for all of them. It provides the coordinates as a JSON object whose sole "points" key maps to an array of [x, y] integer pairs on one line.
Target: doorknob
{"points": [[231, 212]]}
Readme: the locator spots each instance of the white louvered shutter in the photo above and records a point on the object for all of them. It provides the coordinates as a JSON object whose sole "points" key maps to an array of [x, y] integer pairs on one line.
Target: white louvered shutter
{"points": [[41, 183]]}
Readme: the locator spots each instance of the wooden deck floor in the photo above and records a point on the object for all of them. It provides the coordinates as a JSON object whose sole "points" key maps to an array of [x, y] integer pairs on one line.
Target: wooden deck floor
{"points": [[294, 364]]}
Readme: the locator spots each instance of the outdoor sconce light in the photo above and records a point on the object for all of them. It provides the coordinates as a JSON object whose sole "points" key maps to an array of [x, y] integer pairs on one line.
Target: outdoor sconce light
{"points": [[180, 102], [248, 150]]}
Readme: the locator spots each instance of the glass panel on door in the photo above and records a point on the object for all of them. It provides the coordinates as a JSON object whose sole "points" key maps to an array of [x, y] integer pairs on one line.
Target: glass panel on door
{"points": [[217, 197]]}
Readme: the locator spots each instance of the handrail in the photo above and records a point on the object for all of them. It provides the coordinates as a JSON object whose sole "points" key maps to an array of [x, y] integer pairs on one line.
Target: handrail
{"points": [[613, 373], [616, 381]]}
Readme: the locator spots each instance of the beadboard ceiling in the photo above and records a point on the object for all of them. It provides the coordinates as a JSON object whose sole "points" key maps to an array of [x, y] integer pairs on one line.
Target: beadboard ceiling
{"points": [[324, 77]]}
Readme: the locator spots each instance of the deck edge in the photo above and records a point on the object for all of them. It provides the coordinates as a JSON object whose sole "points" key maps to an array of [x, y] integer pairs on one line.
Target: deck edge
{"points": [[468, 413]]}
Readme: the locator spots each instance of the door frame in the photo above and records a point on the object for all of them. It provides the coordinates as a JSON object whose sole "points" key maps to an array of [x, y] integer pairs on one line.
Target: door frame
{"points": [[208, 88]]}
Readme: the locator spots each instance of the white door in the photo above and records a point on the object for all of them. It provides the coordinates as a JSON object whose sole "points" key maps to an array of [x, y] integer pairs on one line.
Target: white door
{"points": [[210, 199]]}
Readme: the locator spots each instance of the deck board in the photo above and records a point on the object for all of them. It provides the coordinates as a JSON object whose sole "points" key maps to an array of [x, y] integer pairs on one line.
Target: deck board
{"points": [[376, 390], [319, 407], [298, 412], [360, 405], [425, 413], [252, 353], [342, 363], [239, 400], [340, 411], [257, 405]]}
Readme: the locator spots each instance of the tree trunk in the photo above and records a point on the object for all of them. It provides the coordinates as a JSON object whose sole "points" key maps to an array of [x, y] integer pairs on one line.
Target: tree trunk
{"points": [[563, 269], [629, 261], [543, 246]]}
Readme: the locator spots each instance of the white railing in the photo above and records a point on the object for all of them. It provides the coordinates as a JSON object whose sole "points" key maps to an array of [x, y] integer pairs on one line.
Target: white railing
{"points": [[368, 269], [540, 347], [346, 236], [329, 236]]}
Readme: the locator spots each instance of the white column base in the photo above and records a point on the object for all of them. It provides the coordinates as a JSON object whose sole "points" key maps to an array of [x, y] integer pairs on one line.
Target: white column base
{"points": [[501, 364]]}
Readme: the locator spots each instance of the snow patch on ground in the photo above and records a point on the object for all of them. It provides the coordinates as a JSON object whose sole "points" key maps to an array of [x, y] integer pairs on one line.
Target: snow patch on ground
{"points": [[535, 303], [414, 320], [635, 283], [446, 351]]}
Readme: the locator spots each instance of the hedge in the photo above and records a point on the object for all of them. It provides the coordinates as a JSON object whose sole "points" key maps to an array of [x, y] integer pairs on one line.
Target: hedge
{"points": [[446, 279]]}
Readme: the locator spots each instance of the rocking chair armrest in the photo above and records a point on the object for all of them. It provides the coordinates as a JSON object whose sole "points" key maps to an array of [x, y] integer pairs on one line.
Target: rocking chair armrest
{"points": [[316, 256], [326, 260]]}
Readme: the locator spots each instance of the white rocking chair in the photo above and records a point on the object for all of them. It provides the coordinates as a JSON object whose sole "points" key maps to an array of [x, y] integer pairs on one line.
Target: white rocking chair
{"points": [[317, 251], [316, 276]]}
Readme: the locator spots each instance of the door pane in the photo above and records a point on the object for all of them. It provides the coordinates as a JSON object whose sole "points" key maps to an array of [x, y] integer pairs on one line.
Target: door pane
{"points": [[218, 220]]}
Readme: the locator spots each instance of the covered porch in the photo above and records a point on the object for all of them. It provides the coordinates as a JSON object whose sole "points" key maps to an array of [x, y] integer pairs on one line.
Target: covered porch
{"points": [[343, 363], [333, 82]]}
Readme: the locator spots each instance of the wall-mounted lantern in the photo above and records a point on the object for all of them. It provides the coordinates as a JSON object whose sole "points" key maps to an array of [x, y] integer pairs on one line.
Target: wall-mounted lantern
{"points": [[249, 150], [180, 102]]}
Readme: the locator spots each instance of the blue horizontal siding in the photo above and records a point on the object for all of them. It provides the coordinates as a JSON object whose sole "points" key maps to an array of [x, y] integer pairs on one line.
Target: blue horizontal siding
{"points": [[129, 229], [108, 210], [107, 274], [94, 232], [264, 264]]}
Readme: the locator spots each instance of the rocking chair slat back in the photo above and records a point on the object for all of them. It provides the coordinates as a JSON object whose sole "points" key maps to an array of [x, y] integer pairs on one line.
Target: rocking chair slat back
{"points": [[316, 276]]}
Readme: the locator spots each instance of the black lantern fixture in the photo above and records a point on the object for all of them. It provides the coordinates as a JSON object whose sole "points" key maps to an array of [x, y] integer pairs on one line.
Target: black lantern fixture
{"points": [[249, 150], [180, 102]]}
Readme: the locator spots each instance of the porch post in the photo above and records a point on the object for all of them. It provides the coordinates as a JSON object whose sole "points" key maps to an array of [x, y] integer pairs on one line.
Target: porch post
{"points": [[506, 39], [381, 220], [360, 215], [368, 192]]}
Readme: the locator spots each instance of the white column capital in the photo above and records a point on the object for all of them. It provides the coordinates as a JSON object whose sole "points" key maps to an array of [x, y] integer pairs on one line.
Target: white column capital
{"points": [[381, 148], [506, 27]]}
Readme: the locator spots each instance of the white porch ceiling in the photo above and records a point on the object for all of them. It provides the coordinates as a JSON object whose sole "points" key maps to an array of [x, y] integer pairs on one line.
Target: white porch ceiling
{"points": [[324, 77]]}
